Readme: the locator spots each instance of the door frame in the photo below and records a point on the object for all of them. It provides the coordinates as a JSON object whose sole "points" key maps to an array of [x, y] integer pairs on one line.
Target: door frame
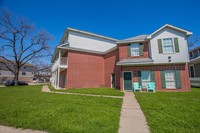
{"points": [[123, 77], [112, 79]]}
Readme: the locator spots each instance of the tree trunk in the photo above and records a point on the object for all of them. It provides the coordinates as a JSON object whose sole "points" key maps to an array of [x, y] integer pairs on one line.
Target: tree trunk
{"points": [[16, 77]]}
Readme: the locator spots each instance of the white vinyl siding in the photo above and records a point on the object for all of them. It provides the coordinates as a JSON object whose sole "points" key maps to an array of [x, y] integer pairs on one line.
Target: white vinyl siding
{"points": [[146, 77], [135, 49], [170, 79], [168, 46]]}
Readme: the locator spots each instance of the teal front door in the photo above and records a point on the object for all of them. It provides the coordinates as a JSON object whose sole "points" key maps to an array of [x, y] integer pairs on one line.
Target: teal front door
{"points": [[127, 81]]}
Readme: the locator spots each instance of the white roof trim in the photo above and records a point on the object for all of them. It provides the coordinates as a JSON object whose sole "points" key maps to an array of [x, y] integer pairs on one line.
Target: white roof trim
{"points": [[92, 34], [136, 63], [188, 33], [87, 51], [195, 60]]}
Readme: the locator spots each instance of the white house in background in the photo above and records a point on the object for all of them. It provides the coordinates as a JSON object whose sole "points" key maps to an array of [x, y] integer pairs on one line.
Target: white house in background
{"points": [[26, 73]]}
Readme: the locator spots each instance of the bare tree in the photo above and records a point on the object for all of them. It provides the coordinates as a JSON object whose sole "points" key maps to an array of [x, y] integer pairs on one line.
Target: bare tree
{"points": [[42, 70], [19, 43], [193, 41]]}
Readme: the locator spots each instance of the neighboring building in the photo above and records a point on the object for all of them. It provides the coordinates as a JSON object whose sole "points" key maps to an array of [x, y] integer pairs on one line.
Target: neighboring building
{"points": [[194, 66], [85, 59], [26, 73]]}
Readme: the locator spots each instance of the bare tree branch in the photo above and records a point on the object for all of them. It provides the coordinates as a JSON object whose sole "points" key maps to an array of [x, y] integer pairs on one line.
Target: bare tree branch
{"points": [[193, 40]]}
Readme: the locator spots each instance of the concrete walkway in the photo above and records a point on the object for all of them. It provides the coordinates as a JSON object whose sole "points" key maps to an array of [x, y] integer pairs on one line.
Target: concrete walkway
{"points": [[132, 119], [45, 88], [5, 129]]}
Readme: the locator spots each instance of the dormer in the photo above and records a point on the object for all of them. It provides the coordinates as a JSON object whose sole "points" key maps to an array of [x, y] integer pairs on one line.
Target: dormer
{"points": [[169, 45]]}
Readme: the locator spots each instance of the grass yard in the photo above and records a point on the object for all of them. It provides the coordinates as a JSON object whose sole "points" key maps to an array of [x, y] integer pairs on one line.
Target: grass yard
{"points": [[172, 112], [96, 91], [28, 107]]}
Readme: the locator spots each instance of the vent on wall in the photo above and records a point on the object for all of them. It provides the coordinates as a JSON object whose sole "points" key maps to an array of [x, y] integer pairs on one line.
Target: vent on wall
{"points": [[169, 59]]}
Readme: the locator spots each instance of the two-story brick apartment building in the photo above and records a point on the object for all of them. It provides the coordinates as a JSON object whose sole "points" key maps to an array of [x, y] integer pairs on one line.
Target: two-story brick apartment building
{"points": [[85, 59]]}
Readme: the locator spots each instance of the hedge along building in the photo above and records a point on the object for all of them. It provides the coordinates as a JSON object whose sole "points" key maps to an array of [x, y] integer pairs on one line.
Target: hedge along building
{"points": [[86, 60]]}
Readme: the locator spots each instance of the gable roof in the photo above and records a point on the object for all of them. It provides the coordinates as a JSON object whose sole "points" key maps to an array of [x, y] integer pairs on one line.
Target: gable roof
{"points": [[86, 33], [139, 38], [188, 33], [195, 48]]}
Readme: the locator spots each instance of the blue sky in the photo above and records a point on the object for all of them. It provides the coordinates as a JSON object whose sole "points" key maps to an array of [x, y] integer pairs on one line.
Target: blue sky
{"points": [[113, 18]]}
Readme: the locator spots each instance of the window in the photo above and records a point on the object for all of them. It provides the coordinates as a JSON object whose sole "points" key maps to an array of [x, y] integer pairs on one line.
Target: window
{"points": [[135, 49], [191, 71], [191, 54], [4, 79], [199, 51], [146, 77], [170, 79], [168, 45], [23, 73]]}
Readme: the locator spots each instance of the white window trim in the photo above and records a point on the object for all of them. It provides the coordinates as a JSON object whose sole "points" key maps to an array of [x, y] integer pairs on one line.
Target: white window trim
{"points": [[174, 80], [135, 48], [172, 44], [123, 78], [146, 80], [192, 65]]}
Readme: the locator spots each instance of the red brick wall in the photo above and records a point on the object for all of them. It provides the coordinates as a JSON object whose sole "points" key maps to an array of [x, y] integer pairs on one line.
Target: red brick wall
{"points": [[84, 70], [110, 67], [123, 51], [184, 75]]}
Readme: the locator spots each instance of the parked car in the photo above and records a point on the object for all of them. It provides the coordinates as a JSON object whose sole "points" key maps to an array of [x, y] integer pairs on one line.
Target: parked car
{"points": [[35, 80], [12, 83]]}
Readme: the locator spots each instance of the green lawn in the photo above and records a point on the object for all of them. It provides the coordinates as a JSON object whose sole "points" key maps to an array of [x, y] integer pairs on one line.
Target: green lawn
{"points": [[177, 112], [28, 107], [96, 91]]}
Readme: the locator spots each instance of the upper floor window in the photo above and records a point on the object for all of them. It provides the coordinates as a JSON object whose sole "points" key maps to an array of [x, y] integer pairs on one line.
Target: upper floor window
{"points": [[191, 54], [135, 49], [23, 73], [199, 51], [168, 45]]}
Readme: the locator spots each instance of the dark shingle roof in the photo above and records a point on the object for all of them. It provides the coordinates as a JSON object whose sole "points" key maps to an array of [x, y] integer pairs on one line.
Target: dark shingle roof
{"points": [[135, 61], [138, 38]]}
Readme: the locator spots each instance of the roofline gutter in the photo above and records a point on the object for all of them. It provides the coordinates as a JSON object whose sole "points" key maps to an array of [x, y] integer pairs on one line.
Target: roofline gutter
{"points": [[131, 64], [125, 42]]}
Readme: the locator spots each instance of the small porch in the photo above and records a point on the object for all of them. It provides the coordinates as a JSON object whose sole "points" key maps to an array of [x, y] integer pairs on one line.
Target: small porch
{"points": [[165, 77], [59, 69]]}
